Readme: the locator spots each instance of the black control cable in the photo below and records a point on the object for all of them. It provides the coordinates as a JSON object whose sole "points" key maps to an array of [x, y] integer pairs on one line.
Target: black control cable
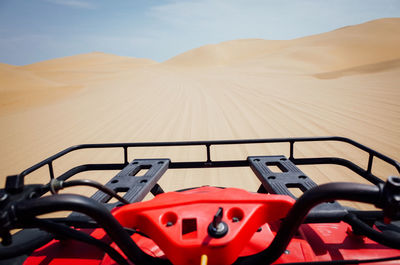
{"points": [[388, 238], [67, 232], [55, 185]]}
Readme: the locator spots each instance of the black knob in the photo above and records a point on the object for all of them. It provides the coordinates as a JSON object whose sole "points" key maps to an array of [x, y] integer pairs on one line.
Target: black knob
{"points": [[217, 227], [391, 197]]}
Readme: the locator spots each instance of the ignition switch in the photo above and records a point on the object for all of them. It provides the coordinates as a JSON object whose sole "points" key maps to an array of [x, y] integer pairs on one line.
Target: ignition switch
{"points": [[217, 227]]}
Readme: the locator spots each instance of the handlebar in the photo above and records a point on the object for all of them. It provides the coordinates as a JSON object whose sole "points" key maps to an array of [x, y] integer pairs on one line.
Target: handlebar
{"points": [[380, 196], [93, 209], [386, 197]]}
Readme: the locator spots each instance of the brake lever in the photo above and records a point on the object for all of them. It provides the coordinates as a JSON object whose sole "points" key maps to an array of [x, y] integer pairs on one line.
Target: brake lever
{"points": [[8, 200]]}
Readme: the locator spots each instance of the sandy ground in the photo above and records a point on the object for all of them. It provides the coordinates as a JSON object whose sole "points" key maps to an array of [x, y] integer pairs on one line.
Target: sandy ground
{"points": [[344, 82]]}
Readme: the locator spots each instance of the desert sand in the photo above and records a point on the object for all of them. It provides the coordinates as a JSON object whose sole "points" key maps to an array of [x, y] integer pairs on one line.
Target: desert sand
{"points": [[344, 82]]}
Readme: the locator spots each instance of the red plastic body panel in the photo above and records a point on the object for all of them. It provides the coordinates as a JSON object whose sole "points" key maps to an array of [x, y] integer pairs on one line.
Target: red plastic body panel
{"points": [[190, 214], [69, 252], [185, 238], [337, 242]]}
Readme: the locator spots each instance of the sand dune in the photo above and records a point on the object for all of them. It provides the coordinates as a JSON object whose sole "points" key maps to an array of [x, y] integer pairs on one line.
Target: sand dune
{"points": [[226, 53], [343, 82], [391, 65], [31, 85], [14, 79], [368, 43], [21, 89], [6, 66], [85, 67], [89, 62], [353, 46]]}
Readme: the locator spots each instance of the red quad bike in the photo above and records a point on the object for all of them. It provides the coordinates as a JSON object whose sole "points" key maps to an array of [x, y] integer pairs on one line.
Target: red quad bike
{"points": [[204, 225]]}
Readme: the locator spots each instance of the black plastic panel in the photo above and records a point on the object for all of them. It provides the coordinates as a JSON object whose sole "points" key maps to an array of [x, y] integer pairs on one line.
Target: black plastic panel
{"points": [[287, 175], [278, 174], [135, 187]]}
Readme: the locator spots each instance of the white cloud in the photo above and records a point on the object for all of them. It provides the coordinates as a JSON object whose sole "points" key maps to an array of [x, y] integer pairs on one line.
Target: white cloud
{"points": [[182, 13], [212, 20], [73, 3]]}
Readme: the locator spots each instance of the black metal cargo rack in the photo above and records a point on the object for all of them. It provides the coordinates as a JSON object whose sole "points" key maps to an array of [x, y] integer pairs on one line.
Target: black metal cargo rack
{"points": [[271, 182], [17, 181]]}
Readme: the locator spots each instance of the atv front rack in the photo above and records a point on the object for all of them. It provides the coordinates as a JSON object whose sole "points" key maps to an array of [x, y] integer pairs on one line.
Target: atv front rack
{"points": [[16, 182], [136, 189]]}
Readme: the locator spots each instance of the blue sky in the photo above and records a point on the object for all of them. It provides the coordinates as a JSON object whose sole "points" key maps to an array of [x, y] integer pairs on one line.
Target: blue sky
{"points": [[36, 30]]}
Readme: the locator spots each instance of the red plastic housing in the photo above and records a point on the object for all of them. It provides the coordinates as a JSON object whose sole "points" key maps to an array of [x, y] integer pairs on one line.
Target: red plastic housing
{"points": [[178, 222]]}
